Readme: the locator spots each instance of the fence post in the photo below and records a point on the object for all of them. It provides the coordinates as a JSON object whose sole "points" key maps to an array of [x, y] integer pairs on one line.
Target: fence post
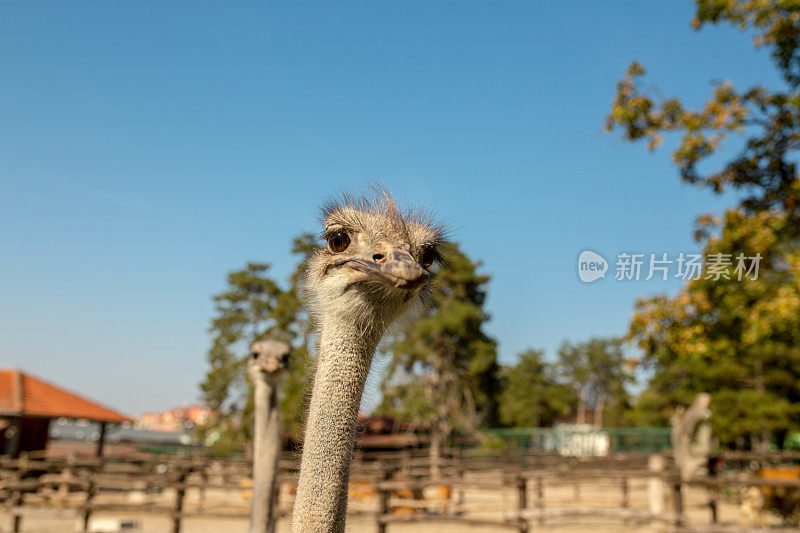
{"points": [[202, 491], [522, 503], [677, 500], [625, 498], [383, 499], [179, 495], [458, 494], [625, 491], [18, 499], [66, 473], [87, 511], [712, 491], [655, 484], [383, 508], [19, 496], [540, 498]]}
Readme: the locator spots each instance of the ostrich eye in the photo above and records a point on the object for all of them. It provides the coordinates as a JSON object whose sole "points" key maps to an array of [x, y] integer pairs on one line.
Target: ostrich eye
{"points": [[427, 258], [254, 355], [338, 241]]}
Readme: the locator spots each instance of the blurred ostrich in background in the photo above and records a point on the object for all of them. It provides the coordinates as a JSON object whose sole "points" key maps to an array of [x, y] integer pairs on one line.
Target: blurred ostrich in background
{"points": [[265, 367], [373, 269]]}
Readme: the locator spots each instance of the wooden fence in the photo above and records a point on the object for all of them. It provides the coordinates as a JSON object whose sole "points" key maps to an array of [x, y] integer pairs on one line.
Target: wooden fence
{"points": [[517, 492]]}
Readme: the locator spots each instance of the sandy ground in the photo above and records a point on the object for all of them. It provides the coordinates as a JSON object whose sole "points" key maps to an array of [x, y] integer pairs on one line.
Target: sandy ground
{"points": [[475, 503]]}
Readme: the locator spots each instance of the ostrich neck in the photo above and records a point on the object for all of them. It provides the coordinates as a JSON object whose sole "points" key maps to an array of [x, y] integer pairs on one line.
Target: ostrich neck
{"points": [[265, 455], [343, 360]]}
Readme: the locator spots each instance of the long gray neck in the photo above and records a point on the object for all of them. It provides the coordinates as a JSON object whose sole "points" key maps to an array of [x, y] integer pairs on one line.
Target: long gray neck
{"points": [[265, 455], [343, 361]]}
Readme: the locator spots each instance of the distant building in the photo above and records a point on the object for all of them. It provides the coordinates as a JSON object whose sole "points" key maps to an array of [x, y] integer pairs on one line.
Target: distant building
{"points": [[67, 436], [386, 433], [179, 419], [28, 404]]}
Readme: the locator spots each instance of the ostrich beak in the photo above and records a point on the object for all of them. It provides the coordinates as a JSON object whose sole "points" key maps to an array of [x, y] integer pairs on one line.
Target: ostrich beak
{"points": [[271, 365], [389, 264]]}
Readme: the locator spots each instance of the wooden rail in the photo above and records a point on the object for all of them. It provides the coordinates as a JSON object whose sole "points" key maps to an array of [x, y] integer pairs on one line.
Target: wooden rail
{"points": [[524, 484], [76, 487]]}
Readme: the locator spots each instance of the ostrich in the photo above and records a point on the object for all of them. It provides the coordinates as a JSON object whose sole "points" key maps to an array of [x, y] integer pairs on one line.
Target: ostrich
{"points": [[265, 368], [373, 269]]}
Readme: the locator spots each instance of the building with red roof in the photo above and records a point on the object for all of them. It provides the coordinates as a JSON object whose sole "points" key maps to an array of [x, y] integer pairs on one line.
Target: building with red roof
{"points": [[28, 403]]}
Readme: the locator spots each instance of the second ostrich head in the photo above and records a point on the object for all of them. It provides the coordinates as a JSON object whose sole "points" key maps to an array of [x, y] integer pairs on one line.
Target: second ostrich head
{"points": [[269, 358]]}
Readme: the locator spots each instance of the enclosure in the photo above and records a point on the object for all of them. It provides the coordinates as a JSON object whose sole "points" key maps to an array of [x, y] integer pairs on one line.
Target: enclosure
{"points": [[489, 490]]}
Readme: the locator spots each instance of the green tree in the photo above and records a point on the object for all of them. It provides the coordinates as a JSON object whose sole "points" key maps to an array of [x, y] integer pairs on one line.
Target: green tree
{"points": [[532, 395], [739, 340], [735, 339], [244, 312], [443, 371], [252, 307], [764, 173], [295, 386], [598, 372]]}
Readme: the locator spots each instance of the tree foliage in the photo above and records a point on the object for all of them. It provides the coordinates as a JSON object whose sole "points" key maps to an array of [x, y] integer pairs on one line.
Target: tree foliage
{"points": [[296, 385], [254, 306], [598, 372], [737, 339], [532, 395], [243, 312], [443, 371], [764, 172]]}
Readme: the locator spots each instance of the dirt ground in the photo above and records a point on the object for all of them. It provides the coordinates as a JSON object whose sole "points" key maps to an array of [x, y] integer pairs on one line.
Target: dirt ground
{"points": [[474, 503]]}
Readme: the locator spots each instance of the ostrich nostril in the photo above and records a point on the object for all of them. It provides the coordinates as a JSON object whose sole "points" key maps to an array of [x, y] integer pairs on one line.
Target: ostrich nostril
{"points": [[379, 258]]}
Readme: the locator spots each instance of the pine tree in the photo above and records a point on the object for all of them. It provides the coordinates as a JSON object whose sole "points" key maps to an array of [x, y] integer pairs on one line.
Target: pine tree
{"points": [[443, 372], [252, 307], [533, 396], [597, 371], [244, 312], [296, 383]]}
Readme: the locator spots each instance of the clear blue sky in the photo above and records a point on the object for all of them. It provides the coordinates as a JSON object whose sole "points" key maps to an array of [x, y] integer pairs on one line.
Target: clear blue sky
{"points": [[147, 148]]}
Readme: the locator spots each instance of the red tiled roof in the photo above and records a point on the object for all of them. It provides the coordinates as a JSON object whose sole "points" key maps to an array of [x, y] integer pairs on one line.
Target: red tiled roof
{"points": [[23, 394]]}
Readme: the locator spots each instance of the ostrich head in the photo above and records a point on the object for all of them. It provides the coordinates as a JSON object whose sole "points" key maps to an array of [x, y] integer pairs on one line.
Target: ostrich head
{"points": [[376, 262], [375, 266], [268, 357]]}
